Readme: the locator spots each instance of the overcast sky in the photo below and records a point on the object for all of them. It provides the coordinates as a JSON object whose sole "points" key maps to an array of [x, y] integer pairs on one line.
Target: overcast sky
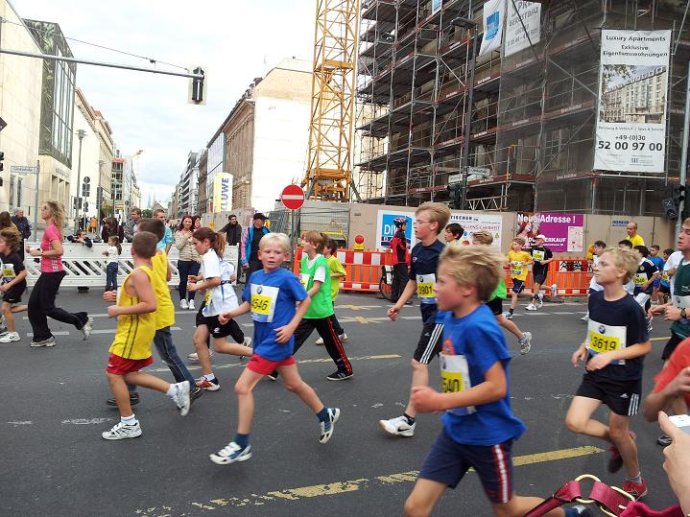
{"points": [[237, 40]]}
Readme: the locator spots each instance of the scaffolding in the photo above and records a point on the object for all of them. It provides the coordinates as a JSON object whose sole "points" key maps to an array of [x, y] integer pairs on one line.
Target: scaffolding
{"points": [[533, 113]]}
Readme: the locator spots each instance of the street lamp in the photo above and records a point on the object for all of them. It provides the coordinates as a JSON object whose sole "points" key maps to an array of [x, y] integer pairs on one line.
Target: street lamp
{"points": [[468, 24], [80, 134]]}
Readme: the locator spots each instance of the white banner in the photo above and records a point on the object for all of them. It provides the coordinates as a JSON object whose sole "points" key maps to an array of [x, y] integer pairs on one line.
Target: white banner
{"points": [[494, 12], [633, 85], [474, 222], [516, 38]]}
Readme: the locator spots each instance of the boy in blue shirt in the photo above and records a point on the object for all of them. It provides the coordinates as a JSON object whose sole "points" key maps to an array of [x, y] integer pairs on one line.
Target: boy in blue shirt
{"points": [[479, 426], [277, 302]]}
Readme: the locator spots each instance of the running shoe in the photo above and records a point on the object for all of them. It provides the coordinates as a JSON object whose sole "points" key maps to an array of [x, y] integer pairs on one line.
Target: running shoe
{"points": [[664, 440], [540, 303], [194, 357], [191, 305], [87, 328], [195, 393], [328, 427], [133, 400], [273, 376], [121, 431], [207, 385], [181, 397], [582, 511], [183, 304], [649, 324], [531, 307], [343, 337], [319, 341], [8, 337], [398, 426], [637, 490], [585, 317], [525, 343], [44, 342], [339, 376], [507, 315], [231, 453]]}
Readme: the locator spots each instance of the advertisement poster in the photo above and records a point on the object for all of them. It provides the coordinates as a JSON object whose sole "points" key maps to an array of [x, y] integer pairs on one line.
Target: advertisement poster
{"points": [[527, 14], [494, 12], [633, 85], [385, 227], [563, 232], [222, 192], [475, 222], [436, 5]]}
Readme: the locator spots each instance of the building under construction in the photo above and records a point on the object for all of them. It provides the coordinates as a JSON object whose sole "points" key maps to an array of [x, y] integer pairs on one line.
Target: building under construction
{"points": [[532, 115]]}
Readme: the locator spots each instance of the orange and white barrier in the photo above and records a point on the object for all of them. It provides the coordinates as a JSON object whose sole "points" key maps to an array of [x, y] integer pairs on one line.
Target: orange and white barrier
{"points": [[570, 276]]}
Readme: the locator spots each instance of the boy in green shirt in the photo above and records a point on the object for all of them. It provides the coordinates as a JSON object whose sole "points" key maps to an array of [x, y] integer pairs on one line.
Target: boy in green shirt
{"points": [[337, 272]]}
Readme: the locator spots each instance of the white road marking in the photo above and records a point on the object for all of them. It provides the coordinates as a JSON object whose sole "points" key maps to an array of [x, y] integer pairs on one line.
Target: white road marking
{"points": [[86, 421]]}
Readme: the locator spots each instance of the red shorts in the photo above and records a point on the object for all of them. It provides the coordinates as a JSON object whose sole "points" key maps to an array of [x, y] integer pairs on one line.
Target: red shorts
{"points": [[119, 365], [258, 364]]}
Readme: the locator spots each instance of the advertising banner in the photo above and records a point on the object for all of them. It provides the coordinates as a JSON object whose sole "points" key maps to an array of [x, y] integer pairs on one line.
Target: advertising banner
{"points": [[516, 38], [436, 5], [475, 222], [494, 12], [222, 192], [385, 227], [563, 232], [633, 86]]}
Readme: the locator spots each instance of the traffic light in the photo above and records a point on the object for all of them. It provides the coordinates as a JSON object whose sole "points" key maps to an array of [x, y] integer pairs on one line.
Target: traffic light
{"points": [[197, 86], [2, 166], [86, 206]]}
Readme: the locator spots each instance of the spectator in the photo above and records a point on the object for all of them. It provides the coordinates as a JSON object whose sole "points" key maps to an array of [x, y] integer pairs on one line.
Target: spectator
{"points": [[24, 227], [399, 247], [233, 231], [633, 237], [111, 228], [250, 244], [167, 241], [132, 226], [6, 222], [81, 238], [188, 262]]}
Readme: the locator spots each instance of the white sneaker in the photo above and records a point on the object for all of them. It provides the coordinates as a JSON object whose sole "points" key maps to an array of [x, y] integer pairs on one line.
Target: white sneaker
{"points": [[531, 307], [525, 343], [343, 337], [120, 431], [87, 328], [191, 306], [9, 337], [540, 303], [398, 426], [194, 357], [181, 397], [231, 453], [585, 317], [507, 315], [184, 304], [319, 341], [247, 342]]}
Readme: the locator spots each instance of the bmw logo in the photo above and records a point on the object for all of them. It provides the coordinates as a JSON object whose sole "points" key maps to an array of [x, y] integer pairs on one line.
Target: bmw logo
{"points": [[602, 329], [259, 290]]}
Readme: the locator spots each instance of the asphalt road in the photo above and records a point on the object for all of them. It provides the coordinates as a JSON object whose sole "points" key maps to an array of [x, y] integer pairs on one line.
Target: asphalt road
{"points": [[54, 461]]}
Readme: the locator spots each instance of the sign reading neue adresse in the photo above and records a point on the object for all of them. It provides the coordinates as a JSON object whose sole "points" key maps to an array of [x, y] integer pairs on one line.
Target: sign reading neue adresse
{"points": [[633, 85]]}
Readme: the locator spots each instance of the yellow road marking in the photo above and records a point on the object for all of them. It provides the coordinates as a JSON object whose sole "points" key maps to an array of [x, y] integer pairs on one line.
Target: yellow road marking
{"points": [[344, 487]]}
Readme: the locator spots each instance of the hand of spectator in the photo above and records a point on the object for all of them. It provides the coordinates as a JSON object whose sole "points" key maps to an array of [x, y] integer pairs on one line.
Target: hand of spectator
{"points": [[677, 464]]}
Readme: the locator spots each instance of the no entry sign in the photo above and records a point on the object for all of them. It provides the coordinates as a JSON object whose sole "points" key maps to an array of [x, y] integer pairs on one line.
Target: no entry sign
{"points": [[292, 197]]}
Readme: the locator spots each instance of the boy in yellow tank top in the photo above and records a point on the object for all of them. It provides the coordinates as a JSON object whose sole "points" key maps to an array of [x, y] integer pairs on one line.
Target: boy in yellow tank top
{"points": [[131, 349]]}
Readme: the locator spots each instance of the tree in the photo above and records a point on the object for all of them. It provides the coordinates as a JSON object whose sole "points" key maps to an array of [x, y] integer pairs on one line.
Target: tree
{"points": [[147, 213]]}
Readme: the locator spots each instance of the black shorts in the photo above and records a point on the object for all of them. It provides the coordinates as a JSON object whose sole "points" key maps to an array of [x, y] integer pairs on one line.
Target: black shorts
{"points": [[539, 278], [622, 397], [215, 328], [518, 286], [496, 306], [430, 342], [671, 345], [13, 295]]}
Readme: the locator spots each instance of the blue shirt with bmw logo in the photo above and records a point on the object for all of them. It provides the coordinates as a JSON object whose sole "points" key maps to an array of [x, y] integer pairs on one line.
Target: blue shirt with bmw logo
{"points": [[273, 297]]}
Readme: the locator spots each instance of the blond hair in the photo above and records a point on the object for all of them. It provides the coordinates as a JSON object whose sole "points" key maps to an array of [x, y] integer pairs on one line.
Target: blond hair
{"points": [[279, 238], [57, 214], [483, 237], [626, 259], [473, 265], [520, 240], [438, 213], [317, 239]]}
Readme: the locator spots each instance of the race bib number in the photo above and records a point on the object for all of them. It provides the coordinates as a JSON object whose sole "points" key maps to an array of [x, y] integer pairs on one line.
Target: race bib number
{"points": [[516, 268], [538, 255], [8, 272], [455, 377], [664, 277], [425, 288], [263, 302], [640, 279], [304, 280], [605, 338]]}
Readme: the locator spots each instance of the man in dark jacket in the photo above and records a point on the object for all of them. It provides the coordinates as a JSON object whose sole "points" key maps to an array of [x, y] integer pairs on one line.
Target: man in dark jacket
{"points": [[24, 227], [249, 257], [233, 231]]}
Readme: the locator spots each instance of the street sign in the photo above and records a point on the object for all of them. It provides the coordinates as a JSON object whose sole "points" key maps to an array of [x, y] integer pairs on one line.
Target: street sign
{"points": [[292, 197], [23, 169], [454, 179], [482, 172]]}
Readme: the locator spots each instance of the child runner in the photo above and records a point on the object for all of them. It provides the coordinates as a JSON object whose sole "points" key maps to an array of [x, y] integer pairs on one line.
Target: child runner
{"points": [[430, 219], [131, 348], [630, 285], [613, 353], [479, 427], [113, 253], [518, 260], [164, 316], [656, 259], [316, 279], [277, 302], [495, 303], [337, 272], [542, 256], [13, 282], [216, 275], [594, 287], [453, 233], [644, 279], [665, 282]]}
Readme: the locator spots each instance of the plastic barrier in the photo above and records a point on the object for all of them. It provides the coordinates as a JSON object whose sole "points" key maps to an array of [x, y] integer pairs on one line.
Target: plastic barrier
{"points": [[570, 276]]}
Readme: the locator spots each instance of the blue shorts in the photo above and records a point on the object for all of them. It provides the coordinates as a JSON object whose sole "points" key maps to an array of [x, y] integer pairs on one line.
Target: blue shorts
{"points": [[448, 461], [518, 286]]}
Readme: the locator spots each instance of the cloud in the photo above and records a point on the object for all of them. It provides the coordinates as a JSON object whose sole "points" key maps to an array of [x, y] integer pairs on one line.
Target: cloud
{"points": [[237, 40]]}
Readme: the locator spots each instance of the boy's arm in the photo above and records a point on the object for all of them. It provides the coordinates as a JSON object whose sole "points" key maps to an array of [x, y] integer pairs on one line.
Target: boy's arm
{"points": [[144, 291], [408, 293], [494, 387], [206, 284], [20, 276], [314, 288], [243, 308], [602, 360], [283, 334], [658, 400]]}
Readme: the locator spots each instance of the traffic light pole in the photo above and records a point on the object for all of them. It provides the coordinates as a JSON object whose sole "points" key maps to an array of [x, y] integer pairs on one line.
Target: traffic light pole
{"points": [[684, 154]]}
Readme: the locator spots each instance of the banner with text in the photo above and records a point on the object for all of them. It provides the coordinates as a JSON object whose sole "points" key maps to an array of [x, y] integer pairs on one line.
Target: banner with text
{"points": [[385, 227], [517, 36], [563, 232], [222, 192], [494, 12], [478, 222], [631, 116]]}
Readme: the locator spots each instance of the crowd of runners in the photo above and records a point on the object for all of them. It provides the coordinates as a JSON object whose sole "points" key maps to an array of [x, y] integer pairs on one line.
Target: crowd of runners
{"points": [[460, 290]]}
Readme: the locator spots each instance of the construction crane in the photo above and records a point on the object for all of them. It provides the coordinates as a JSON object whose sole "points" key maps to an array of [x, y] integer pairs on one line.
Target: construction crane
{"points": [[329, 162]]}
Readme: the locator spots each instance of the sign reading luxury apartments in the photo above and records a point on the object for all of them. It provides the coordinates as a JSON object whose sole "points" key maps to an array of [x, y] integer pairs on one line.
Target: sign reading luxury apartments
{"points": [[631, 121], [523, 25]]}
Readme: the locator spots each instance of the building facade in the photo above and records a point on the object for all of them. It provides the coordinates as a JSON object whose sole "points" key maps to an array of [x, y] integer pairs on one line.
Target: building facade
{"points": [[188, 188]]}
